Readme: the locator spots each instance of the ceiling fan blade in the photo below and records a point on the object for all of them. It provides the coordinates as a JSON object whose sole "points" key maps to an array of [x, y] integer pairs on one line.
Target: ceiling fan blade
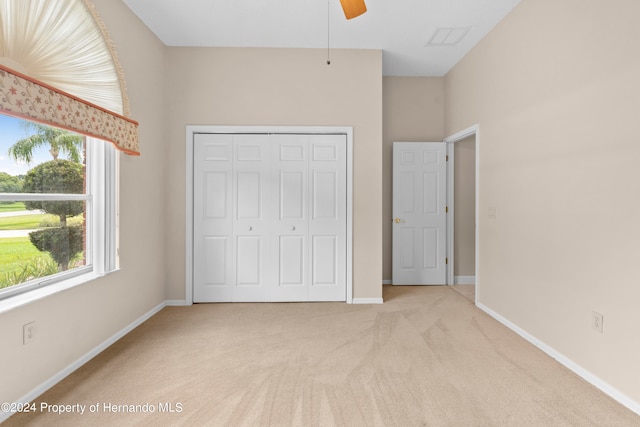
{"points": [[353, 8]]}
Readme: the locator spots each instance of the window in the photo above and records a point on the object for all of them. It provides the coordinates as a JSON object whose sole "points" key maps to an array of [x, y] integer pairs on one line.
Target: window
{"points": [[58, 212], [74, 81]]}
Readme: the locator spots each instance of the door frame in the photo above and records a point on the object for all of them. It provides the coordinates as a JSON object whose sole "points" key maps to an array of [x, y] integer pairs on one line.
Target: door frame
{"points": [[451, 140], [191, 130]]}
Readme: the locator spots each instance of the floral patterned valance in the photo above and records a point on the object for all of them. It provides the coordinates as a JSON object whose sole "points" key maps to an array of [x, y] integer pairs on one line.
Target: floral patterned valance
{"points": [[27, 98]]}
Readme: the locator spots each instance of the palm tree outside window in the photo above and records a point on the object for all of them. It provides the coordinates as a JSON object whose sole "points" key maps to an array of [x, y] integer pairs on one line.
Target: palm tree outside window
{"points": [[43, 231]]}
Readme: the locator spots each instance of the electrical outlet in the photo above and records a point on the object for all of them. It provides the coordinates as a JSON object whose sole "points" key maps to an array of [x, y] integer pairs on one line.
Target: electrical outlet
{"points": [[597, 320], [28, 332]]}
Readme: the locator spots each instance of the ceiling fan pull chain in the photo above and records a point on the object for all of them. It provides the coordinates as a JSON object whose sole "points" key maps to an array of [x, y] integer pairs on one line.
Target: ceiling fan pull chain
{"points": [[328, 31]]}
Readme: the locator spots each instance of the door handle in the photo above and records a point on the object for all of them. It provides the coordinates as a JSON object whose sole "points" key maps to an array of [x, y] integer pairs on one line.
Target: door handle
{"points": [[398, 220], [293, 228]]}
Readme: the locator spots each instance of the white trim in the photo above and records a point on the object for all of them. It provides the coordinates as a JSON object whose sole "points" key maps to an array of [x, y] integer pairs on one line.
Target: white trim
{"points": [[27, 197], [451, 220], [367, 301], [459, 136], [594, 380], [464, 280], [176, 303], [188, 292], [55, 379], [349, 131], [320, 130]]}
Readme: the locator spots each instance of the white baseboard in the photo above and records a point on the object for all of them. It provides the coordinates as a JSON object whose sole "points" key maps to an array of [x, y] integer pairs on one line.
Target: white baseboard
{"points": [[457, 280], [33, 394], [597, 382], [176, 303], [367, 301], [464, 280]]}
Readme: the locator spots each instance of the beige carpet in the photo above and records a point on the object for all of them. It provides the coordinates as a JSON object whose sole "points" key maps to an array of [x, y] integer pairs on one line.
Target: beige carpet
{"points": [[467, 291], [427, 357]]}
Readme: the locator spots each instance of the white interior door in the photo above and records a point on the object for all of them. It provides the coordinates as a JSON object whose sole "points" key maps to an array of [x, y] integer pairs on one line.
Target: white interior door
{"points": [[419, 213], [328, 217], [214, 271], [310, 225], [252, 217], [269, 217], [291, 227]]}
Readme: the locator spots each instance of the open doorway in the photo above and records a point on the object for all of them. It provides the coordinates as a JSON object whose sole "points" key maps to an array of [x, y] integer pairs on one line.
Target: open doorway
{"points": [[462, 197]]}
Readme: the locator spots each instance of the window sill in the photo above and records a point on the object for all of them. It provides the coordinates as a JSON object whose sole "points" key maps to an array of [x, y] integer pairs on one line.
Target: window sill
{"points": [[17, 301]]}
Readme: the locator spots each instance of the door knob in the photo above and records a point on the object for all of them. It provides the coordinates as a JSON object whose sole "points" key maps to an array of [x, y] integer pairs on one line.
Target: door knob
{"points": [[250, 228], [397, 220], [293, 228]]}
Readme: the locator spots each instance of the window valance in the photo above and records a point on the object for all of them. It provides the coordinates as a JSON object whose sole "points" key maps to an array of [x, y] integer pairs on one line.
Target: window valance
{"points": [[59, 66], [24, 97]]}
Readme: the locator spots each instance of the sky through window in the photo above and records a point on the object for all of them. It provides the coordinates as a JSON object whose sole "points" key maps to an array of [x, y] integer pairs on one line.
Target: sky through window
{"points": [[11, 131]]}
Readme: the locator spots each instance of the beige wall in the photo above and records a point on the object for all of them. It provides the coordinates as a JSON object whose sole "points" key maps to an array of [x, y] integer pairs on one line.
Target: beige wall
{"points": [[413, 110], [554, 88], [73, 322], [465, 207], [231, 86]]}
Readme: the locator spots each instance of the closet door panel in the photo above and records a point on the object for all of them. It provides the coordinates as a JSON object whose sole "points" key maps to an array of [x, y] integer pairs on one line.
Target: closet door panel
{"points": [[291, 271], [213, 269], [251, 217], [290, 227], [328, 221]]}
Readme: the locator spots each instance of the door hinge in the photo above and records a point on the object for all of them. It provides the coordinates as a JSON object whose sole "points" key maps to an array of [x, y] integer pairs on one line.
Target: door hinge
{"points": [[447, 158], [446, 261], [446, 209]]}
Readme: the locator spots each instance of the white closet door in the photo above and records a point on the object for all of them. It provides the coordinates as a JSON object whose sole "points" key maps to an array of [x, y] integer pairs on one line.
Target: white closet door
{"points": [[213, 266], [252, 216], [328, 217], [269, 218], [290, 240]]}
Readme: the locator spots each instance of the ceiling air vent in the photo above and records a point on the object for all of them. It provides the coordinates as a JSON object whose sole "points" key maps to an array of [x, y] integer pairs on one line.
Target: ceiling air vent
{"points": [[448, 36]]}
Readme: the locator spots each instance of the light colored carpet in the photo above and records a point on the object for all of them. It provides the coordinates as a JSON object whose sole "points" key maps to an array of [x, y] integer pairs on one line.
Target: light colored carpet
{"points": [[427, 357], [467, 291]]}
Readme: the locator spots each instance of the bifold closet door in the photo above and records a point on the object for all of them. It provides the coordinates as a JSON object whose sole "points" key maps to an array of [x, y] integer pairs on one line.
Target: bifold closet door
{"points": [[309, 239], [213, 266], [269, 218], [231, 218], [252, 217], [290, 242], [328, 217]]}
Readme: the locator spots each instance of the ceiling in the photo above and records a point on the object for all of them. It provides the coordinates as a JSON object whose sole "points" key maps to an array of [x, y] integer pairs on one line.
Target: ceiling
{"points": [[403, 29]]}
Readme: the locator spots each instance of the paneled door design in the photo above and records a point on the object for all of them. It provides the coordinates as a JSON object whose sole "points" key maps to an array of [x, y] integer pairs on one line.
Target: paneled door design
{"points": [[290, 174], [213, 260], [251, 196], [327, 217], [269, 217], [419, 213]]}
